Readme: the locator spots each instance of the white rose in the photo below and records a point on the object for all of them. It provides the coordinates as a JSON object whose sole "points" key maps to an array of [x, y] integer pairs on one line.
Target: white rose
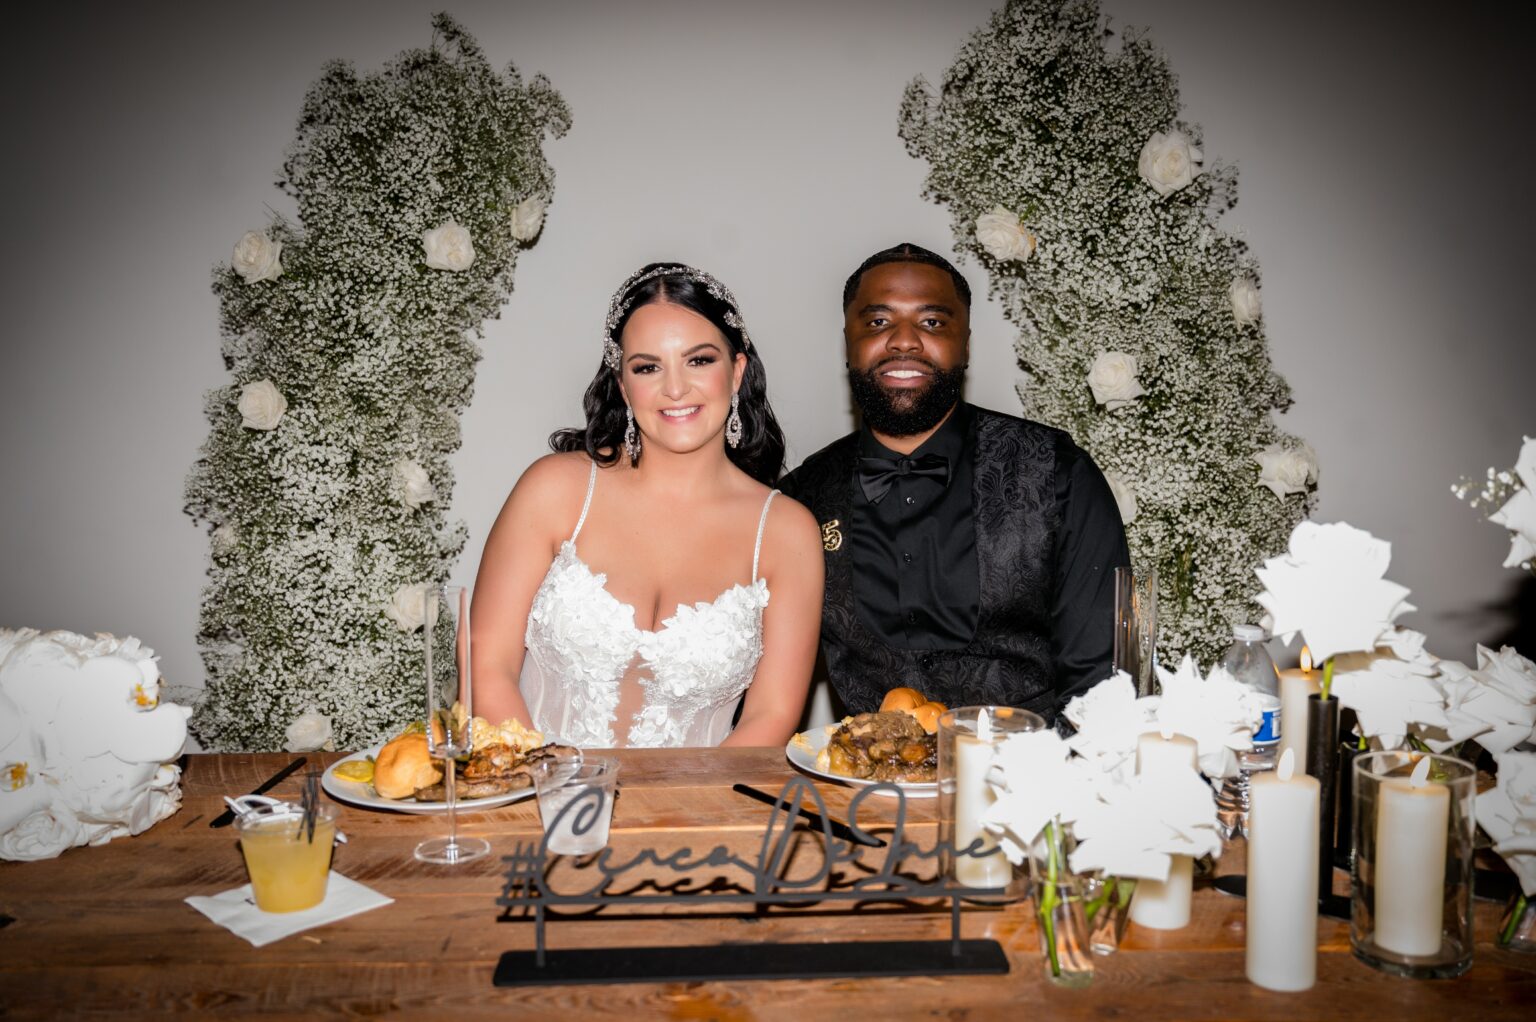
{"points": [[528, 218], [224, 538], [406, 608], [1245, 301], [448, 247], [1286, 470], [309, 731], [1001, 234], [257, 257], [1112, 378], [414, 483], [1125, 497], [261, 405], [1168, 162]]}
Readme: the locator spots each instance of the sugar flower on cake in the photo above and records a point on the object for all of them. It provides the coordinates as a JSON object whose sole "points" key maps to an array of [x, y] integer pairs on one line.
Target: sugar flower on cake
{"points": [[999, 232], [407, 607], [1244, 295], [1218, 712], [310, 730], [1109, 721], [1495, 703], [413, 483], [1287, 470], [1508, 813], [528, 218], [1133, 829], [261, 405], [1391, 688], [1330, 585], [1518, 513], [1168, 162], [257, 257], [448, 247], [1112, 378]]}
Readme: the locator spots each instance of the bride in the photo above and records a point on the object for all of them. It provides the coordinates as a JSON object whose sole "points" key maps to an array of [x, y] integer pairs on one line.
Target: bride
{"points": [[644, 577]]}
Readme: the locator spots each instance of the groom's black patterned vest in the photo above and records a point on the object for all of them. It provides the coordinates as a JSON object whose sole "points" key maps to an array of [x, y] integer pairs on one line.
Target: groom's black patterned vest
{"points": [[1009, 661]]}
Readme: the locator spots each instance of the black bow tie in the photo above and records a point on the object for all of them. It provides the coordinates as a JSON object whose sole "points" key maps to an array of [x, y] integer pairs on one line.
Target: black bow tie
{"points": [[877, 475]]}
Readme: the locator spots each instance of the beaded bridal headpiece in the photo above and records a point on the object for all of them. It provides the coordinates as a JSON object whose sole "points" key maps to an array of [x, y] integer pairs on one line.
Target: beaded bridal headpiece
{"points": [[612, 354]]}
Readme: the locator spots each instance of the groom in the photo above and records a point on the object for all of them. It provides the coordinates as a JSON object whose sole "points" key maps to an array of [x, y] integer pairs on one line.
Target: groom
{"points": [[969, 554]]}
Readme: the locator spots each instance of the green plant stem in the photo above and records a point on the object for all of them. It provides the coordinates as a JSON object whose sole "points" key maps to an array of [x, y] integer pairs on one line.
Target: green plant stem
{"points": [[1048, 899], [1516, 914], [1327, 677]]}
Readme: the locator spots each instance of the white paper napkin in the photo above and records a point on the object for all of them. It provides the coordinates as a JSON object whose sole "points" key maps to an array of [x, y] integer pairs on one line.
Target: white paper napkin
{"points": [[236, 910]]}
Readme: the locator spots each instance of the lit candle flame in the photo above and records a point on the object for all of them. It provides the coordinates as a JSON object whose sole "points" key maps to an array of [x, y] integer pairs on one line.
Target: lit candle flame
{"points": [[1306, 659], [1420, 776], [1286, 768]]}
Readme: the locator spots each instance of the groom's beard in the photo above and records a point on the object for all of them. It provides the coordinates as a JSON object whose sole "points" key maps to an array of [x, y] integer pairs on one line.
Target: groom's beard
{"points": [[905, 412]]}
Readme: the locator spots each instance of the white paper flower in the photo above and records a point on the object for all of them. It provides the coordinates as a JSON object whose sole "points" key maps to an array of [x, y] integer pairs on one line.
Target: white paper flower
{"points": [[1495, 704], [1219, 713], [1110, 720], [1112, 378], [1508, 813], [407, 607], [257, 257], [1391, 688], [414, 484], [1330, 586], [1518, 513], [1287, 470], [1134, 828], [1245, 301], [1000, 233], [1035, 781], [310, 730], [448, 247], [1168, 162], [261, 405], [1125, 497], [528, 218]]}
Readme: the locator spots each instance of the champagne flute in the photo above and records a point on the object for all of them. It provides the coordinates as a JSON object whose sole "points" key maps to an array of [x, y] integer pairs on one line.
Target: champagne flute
{"points": [[450, 711]]}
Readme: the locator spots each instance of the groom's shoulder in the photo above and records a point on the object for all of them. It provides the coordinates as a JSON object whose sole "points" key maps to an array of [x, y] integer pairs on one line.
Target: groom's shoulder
{"points": [[830, 463], [988, 420]]}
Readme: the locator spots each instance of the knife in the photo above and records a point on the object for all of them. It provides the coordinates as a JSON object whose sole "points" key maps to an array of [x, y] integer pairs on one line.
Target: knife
{"points": [[227, 817], [839, 830]]}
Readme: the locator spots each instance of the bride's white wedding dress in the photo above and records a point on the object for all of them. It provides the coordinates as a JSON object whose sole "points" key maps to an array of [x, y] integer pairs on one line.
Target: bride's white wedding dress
{"points": [[582, 642]]}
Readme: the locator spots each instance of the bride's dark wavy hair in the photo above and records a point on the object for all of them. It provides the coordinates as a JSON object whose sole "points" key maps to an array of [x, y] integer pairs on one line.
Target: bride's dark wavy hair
{"points": [[761, 454]]}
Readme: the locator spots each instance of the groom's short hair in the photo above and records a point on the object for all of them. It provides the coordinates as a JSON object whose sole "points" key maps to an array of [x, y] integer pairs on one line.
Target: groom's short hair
{"points": [[906, 252]]}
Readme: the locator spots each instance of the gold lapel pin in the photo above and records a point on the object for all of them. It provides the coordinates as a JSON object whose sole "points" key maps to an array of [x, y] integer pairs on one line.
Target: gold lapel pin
{"points": [[831, 538]]}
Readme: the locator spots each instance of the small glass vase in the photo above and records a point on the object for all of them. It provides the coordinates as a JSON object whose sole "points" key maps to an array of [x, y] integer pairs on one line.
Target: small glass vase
{"points": [[1107, 909], [1062, 923], [1517, 930]]}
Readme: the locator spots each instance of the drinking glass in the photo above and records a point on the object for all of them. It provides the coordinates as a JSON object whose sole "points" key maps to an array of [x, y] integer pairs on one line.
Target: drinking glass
{"points": [[1136, 627], [288, 861], [450, 727], [576, 802]]}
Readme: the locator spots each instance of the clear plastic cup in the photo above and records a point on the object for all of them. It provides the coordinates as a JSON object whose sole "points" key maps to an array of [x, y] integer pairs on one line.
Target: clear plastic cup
{"points": [[288, 867], [576, 802]]}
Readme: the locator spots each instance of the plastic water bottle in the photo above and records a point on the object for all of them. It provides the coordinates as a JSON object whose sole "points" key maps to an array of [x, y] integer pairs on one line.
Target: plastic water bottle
{"points": [[1248, 661]]}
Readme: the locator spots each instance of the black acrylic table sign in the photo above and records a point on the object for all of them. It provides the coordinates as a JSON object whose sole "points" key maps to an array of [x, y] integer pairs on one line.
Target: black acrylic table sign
{"points": [[528, 891]]}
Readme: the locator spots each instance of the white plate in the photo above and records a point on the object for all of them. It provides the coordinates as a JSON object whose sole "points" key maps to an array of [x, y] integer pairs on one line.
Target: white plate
{"points": [[804, 758], [360, 794]]}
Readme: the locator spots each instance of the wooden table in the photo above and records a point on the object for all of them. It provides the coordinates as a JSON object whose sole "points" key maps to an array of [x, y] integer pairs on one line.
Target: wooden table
{"points": [[105, 931]]}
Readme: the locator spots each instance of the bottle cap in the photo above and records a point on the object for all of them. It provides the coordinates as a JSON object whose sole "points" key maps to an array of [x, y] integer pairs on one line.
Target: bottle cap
{"points": [[1249, 633]]}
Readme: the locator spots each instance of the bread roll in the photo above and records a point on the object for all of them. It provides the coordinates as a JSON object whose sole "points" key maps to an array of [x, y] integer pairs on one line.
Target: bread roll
{"points": [[403, 766], [902, 699], [928, 715]]}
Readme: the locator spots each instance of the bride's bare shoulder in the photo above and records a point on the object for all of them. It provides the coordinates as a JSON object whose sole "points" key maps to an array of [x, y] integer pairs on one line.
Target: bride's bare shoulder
{"points": [[554, 484]]}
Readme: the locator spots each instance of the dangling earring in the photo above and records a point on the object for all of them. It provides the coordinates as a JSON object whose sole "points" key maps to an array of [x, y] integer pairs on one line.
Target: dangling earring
{"points": [[631, 437], [733, 423]]}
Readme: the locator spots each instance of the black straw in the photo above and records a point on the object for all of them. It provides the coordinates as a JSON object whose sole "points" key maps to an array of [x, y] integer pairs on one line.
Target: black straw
{"points": [[311, 801]]}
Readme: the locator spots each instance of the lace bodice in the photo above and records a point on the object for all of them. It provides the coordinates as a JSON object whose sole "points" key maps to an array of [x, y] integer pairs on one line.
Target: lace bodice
{"points": [[582, 641]]}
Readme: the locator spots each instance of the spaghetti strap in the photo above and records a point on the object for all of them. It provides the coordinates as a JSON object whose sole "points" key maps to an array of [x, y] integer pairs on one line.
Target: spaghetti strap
{"points": [[762, 521], [586, 504]]}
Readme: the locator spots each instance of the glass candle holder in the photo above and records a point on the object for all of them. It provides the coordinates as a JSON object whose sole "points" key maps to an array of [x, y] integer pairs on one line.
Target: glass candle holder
{"points": [[1411, 886], [969, 854]]}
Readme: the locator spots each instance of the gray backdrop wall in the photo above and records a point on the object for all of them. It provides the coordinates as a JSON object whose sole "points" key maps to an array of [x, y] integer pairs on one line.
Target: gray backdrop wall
{"points": [[1384, 188]]}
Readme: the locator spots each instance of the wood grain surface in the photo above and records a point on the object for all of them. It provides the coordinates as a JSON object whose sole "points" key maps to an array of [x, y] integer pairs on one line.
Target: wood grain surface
{"points": [[105, 932]]}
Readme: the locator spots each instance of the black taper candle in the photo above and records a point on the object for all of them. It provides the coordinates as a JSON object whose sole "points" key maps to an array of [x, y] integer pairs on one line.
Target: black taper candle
{"points": [[1323, 763]]}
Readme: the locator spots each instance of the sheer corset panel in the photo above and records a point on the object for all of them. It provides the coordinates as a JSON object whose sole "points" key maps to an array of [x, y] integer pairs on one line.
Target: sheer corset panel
{"points": [[583, 645]]}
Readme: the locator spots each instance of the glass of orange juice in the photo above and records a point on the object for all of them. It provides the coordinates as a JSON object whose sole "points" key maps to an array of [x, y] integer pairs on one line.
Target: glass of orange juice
{"points": [[288, 865]]}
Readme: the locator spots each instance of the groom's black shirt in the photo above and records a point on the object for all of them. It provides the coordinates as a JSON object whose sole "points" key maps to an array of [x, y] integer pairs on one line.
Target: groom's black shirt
{"points": [[1019, 612]]}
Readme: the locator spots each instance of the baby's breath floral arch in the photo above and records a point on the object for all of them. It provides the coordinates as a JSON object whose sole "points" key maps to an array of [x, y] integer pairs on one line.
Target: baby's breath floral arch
{"points": [[350, 337], [1058, 149]]}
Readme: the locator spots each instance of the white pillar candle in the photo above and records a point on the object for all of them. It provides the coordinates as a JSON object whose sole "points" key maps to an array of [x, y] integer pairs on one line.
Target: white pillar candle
{"points": [[973, 796], [1165, 904], [1295, 686], [1412, 818], [1281, 927]]}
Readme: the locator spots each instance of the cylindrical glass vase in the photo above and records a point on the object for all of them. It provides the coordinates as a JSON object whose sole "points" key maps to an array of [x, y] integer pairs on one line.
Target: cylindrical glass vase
{"points": [[1107, 908], [1063, 928], [969, 853], [1411, 887], [1517, 930]]}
